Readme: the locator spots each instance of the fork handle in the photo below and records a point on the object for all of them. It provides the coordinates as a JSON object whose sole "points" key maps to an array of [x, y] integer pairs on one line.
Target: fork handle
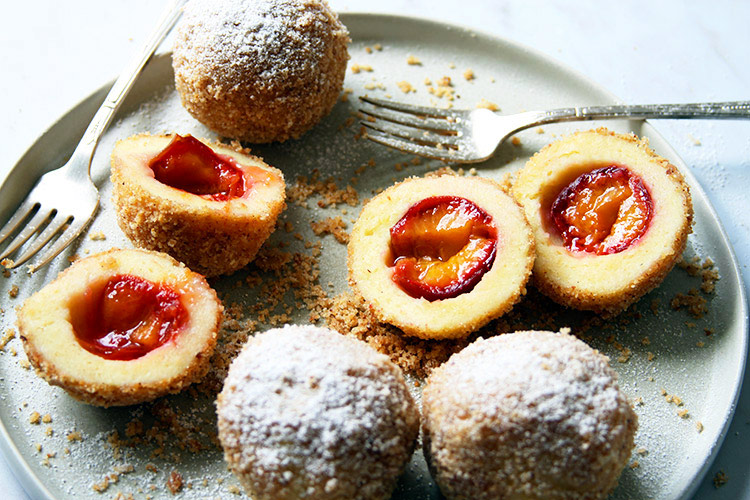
{"points": [[119, 90], [735, 109]]}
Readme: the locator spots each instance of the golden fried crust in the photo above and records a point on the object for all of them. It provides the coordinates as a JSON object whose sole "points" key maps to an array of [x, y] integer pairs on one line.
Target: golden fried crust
{"points": [[278, 69], [606, 284], [309, 413], [52, 348], [499, 289], [210, 237], [528, 415]]}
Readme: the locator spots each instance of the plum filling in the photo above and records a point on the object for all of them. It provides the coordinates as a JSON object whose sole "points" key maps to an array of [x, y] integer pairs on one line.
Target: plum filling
{"points": [[127, 317], [603, 212], [189, 165], [442, 247]]}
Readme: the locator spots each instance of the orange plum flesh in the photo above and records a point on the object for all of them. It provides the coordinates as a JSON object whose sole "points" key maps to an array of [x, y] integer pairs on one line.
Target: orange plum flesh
{"points": [[603, 212], [442, 247]]}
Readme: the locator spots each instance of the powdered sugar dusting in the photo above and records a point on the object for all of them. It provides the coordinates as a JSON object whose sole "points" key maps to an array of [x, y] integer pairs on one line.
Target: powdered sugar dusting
{"points": [[533, 413], [546, 377], [275, 41], [303, 405]]}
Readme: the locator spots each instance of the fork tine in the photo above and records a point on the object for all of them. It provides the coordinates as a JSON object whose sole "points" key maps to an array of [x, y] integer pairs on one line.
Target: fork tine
{"points": [[70, 233], [21, 214], [49, 232], [409, 108], [29, 229], [416, 135], [407, 145], [427, 123]]}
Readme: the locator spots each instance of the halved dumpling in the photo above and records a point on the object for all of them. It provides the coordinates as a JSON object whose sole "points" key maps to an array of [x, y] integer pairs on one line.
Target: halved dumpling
{"points": [[122, 327], [610, 219], [439, 257], [210, 206]]}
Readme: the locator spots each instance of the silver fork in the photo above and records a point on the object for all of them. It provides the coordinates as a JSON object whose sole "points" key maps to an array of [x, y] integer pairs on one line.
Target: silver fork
{"points": [[64, 200], [471, 136]]}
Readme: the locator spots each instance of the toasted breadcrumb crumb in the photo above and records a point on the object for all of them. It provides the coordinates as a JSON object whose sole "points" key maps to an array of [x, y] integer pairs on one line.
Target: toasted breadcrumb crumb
{"points": [[74, 436], [375, 86], [9, 335], [101, 486], [413, 61], [720, 479], [358, 68], [334, 226], [485, 104], [692, 301], [405, 87], [443, 89], [174, 482], [704, 269], [330, 194], [624, 356]]}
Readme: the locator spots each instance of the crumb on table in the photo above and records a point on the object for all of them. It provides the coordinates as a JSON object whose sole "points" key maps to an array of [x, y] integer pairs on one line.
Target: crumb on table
{"points": [[720, 479]]}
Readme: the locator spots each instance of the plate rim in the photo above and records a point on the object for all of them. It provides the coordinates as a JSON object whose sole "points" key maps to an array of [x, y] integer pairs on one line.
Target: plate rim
{"points": [[36, 488]]}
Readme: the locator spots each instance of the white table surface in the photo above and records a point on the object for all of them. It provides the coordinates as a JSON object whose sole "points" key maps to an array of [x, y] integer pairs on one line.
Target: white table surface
{"points": [[53, 54]]}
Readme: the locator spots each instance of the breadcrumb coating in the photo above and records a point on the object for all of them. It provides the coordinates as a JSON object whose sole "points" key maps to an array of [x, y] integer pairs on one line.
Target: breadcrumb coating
{"points": [[261, 70], [533, 415], [308, 413]]}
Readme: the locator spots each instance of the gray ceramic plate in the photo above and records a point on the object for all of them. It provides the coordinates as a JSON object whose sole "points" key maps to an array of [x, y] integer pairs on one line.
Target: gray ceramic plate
{"points": [[703, 371]]}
